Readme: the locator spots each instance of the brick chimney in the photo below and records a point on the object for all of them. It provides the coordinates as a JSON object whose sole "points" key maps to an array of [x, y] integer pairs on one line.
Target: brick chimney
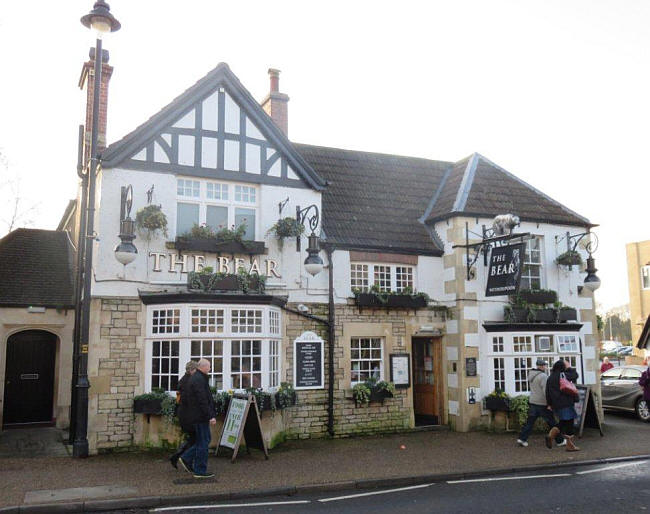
{"points": [[275, 104], [87, 80]]}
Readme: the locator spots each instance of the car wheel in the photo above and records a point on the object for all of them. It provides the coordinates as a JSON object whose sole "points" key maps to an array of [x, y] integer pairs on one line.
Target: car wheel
{"points": [[642, 410]]}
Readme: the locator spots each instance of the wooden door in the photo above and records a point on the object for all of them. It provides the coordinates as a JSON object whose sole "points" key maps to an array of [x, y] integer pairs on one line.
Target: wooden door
{"points": [[29, 377], [426, 380]]}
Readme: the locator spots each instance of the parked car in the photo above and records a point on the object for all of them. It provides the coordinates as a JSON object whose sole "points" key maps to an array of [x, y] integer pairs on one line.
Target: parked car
{"points": [[620, 390], [610, 346], [624, 350]]}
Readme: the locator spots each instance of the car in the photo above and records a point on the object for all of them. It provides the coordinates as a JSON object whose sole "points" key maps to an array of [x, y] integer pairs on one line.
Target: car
{"points": [[610, 346], [621, 391], [624, 350]]}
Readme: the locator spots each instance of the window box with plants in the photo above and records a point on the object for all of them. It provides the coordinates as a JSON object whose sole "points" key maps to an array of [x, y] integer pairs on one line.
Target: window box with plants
{"points": [[517, 314], [158, 403], [497, 400], [538, 296], [202, 238], [566, 313], [544, 315], [208, 281], [372, 391], [285, 396], [404, 299]]}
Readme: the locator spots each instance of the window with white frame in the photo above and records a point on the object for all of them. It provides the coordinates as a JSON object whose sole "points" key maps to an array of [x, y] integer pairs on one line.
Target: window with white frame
{"points": [[240, 342], [216, 205], [387, 277], [359, 276], [511, 355], [645, 277], [366, 359], [531, 274]]}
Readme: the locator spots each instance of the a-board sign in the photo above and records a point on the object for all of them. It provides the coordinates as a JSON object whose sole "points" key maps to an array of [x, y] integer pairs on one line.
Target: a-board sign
{"points": [[586, 409], [242, 420], [470, 366], [504, 272], [308, 362], [400, 370]]}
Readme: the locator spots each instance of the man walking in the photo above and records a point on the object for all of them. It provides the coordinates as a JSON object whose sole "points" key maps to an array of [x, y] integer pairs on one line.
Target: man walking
{"points": [[199, 408], [537, 404]]}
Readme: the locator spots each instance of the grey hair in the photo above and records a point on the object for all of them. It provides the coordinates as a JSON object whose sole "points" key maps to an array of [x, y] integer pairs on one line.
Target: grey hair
{"points": [[191, 366]]}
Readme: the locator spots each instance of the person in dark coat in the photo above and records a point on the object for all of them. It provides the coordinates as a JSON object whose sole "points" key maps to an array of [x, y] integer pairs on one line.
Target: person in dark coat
{"points": [[562, 404], [200, 412], [188, 430]]}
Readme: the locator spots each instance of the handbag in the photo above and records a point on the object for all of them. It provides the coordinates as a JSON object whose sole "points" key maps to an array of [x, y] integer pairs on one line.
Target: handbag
{"points": [[567, 387]]}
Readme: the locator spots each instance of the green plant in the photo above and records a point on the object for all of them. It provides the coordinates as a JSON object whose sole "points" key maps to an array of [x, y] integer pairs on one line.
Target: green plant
{"points": [[361, 393], [156, 393], [168, 410], [519, 405], [225, 234], [221, 400], [499, 393], [206, 270], [200, 232], [285, 395], [569, 258], [151, 219], [286, 227], [382, 385]]}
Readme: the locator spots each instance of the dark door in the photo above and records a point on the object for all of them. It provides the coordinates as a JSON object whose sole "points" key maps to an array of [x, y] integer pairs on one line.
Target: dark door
{"points": [[426, 381], [29, 377]]}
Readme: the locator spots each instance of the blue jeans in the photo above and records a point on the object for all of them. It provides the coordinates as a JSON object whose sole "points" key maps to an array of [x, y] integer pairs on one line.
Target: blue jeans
{"points": [[197, 454], [534, 412]]}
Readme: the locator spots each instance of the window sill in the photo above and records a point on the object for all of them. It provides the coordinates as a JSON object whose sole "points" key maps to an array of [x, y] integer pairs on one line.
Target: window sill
{"points": [[213, 246]]}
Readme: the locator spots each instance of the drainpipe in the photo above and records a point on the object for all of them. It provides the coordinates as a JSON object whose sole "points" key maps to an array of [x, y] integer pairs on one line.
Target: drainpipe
{"points": [[330, 338]]}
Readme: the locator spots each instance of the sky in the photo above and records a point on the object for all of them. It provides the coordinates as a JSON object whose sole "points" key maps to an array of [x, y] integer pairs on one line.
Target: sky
{"points": [[553, 91]]}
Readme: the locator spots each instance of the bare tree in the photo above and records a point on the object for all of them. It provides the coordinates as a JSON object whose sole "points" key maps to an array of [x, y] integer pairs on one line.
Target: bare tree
{"points": [[13, 209]]}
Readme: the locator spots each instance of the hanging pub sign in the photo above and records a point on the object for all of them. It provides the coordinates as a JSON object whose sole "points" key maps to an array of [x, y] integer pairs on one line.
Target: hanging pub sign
{"points": [[504, 272]]}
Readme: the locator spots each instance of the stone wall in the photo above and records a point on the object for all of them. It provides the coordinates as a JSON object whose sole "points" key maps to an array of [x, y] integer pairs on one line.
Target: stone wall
{"points": [[115, 372]]}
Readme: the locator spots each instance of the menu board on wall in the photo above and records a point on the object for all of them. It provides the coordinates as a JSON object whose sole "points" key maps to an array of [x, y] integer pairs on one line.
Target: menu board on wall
{"points": [[308, 362]]}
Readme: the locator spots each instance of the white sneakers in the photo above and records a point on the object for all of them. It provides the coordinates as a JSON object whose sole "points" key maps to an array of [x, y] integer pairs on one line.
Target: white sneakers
{"points": [[563, 443], [523, 443]]}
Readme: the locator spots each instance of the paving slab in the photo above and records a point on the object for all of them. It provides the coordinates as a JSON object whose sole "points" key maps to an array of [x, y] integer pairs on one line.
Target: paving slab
{"points": [[78, 493]]}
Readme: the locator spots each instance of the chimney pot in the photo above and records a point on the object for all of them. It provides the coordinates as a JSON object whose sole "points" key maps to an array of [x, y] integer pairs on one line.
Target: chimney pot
{"points": [[274, 76]]}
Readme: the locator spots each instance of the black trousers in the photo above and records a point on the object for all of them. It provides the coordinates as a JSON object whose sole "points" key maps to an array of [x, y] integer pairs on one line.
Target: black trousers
{"points": [[566, 426], [190, 439]]}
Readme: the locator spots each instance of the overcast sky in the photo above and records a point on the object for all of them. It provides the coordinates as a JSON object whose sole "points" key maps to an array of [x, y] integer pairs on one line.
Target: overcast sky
{"points": [[553, 91]]}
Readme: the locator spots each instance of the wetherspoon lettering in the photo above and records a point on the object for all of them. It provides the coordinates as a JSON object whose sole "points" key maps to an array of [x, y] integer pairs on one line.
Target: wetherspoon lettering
{"points": [[174, 263]]}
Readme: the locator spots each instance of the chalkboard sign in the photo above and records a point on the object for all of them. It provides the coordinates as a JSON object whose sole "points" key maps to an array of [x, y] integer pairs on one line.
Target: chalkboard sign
{"points": [[308, 362], [586, 409], [242, 419], [470, 366]]}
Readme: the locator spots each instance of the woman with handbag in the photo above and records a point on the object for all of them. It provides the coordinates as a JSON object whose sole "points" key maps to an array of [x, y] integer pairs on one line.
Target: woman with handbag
{"points": [[561, 394]]}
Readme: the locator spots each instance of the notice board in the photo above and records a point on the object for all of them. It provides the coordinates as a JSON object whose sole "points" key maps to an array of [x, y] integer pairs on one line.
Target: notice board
{"points": [[242, 420], [308, 362], [586, 409]]}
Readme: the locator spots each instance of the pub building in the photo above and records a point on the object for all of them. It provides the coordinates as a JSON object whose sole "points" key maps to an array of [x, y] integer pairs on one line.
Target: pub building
{"points": [[216, 159]]}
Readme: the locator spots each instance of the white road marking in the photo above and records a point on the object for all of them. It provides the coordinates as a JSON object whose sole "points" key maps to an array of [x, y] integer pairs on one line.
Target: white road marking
{"points": [[615, 466], [507, 478], [231, 505], [385, 491]]}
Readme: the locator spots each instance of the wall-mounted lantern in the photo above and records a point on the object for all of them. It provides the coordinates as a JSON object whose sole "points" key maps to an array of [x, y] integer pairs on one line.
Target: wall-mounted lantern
{"points": [[126, 251], [591, 282], [313, 262]]}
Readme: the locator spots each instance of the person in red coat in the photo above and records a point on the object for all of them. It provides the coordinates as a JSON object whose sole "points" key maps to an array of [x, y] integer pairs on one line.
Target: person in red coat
{"points": [[606, 365]]}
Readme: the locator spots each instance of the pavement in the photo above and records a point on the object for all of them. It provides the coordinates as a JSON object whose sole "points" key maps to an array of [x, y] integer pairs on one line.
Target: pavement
{"points": [[31, 483]]}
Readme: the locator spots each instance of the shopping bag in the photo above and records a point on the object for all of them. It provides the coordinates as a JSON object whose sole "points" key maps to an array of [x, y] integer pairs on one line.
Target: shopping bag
{"points": [[567, 387]]}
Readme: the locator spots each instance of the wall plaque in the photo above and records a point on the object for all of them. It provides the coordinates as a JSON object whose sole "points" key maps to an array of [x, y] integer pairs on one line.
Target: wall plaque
{"points": [[308, 362], [470, 366]]}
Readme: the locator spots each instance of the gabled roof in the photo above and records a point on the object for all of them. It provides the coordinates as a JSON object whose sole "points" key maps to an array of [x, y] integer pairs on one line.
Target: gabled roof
{"points": [[375, 201], [37, 269], [476, 186], [221, 76]]}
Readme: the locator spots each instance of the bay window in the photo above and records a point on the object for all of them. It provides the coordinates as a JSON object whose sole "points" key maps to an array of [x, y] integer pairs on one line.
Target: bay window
{"points": [[511, 356], [242, 344], [216, 205]]}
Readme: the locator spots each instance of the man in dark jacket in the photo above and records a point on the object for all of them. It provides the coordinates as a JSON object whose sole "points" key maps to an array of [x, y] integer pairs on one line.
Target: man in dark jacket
{"points": [[188, 430], [562, 404], [199, 411]]}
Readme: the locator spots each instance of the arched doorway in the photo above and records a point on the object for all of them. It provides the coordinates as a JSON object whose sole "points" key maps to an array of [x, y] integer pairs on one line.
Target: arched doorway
{"points": [[29, 377]]}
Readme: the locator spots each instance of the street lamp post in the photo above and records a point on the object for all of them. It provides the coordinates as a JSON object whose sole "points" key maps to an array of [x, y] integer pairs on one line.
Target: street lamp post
{"points": [[102, 21]]}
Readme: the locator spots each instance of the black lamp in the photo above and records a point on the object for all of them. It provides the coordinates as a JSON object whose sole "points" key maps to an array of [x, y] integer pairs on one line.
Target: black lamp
{"points": [[101, 19], [125, 251], [313, 262]]}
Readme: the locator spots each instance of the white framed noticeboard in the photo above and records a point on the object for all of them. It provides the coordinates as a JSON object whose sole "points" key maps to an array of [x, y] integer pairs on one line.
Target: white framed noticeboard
{"points": [[308, 362], [400, 370]]}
